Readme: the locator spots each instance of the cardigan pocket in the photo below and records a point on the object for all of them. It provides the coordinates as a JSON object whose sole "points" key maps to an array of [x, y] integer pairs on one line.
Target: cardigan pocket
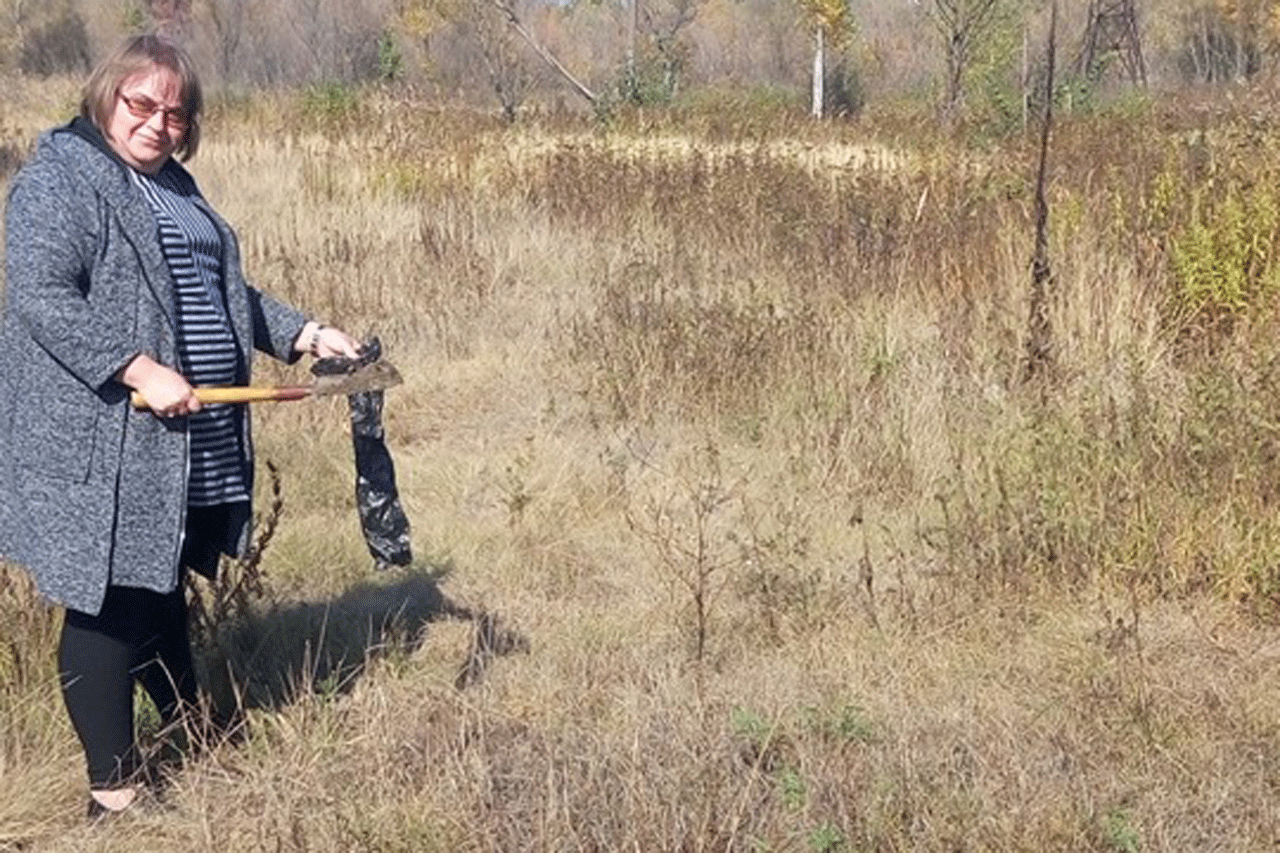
{"points": [[58, 444]]}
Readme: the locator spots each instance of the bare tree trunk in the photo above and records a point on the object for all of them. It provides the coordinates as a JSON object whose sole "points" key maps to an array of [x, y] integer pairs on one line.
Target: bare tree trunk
{"points": [[1242, 40], [1039, 354], [633, 40], [955, 74], [18, 13], [508, 74], [819, 71], [508, 8], [228, 20], [306, 19], [172, 18], [1203, 65], [1026, 77], [662, 35]]}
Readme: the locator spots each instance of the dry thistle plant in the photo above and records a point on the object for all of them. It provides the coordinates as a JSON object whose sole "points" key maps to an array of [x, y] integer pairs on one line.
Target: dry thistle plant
{"points": [[240, 584], [220, 608], [686, 530]]}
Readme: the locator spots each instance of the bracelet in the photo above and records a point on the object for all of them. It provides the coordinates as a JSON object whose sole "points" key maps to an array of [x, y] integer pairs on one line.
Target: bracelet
{"points": [[313, 346]]}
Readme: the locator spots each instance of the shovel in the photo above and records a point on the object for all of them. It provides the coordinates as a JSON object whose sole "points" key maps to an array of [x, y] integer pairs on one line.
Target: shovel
{"points": [[353, 379]]}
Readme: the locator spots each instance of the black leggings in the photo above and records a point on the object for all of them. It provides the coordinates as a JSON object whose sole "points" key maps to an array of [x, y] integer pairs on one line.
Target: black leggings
{"points": [[139, 635]]}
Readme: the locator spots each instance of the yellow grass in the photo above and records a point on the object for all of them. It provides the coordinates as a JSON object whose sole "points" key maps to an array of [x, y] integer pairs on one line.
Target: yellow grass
{"points": [[783, 554]]}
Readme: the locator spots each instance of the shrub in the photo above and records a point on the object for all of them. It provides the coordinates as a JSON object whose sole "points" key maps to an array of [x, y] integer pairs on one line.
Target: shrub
{"points": [[59, 46]]}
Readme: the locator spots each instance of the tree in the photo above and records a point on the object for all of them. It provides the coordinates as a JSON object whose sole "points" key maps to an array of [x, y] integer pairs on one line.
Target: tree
{"points": [[508, 73], [1039, 345], [17, 19], [171, 18], [45, 38], [656, 50], [339, 39], [488, 25], [1244, 26], [1255, 27], [508, 9], [963, 24], [228, 19], [1209, 55], [832, 25], [1228, 39]]}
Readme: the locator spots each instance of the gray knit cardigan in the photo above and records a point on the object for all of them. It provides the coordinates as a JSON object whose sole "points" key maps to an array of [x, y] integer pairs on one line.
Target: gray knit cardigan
{"points": [[91, 491]]}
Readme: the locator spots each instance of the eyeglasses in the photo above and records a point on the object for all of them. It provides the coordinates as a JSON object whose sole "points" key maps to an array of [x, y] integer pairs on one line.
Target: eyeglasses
{"points": [[143, 107]]}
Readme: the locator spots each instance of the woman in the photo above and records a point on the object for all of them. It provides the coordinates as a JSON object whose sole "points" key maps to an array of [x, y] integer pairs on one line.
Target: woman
{"points": [[121, 278]]}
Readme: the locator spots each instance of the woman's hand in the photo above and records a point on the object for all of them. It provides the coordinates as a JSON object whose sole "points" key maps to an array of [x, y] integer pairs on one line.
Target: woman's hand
{"points": [[326, 341], [165, 390]]}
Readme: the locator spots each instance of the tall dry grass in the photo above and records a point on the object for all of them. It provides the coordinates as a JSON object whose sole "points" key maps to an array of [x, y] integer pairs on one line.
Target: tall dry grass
{"points": [[736, 526]]}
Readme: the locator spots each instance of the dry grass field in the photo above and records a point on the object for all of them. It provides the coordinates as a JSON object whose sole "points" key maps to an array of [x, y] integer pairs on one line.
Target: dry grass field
{"points": [[737, 527]]}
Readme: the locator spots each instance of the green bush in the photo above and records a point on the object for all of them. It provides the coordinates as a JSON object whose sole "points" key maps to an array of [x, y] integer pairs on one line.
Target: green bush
{"points": [[1224, 257], [329, 102]]}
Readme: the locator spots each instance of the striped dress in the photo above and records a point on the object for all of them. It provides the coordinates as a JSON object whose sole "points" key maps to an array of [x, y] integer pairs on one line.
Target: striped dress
{"points": [[206, 347]]}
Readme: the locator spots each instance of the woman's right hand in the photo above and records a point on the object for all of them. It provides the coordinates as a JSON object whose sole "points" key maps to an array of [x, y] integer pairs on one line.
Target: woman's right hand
{"points": [[167, 393]]}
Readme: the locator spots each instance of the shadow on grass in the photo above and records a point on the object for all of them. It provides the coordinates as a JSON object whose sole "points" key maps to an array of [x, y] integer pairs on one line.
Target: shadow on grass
{"points": [[267, 658]]}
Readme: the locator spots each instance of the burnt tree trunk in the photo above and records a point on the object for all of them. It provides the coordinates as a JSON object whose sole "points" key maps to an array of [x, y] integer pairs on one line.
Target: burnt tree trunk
{"points": [[1039, 354]]}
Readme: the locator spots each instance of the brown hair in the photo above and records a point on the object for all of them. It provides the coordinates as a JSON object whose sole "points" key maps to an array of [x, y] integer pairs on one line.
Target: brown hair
{"points": [[138, 55]]}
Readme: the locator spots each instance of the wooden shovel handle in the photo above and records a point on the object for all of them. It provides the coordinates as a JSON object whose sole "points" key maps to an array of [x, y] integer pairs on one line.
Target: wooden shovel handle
{"points": [[238, 394]]}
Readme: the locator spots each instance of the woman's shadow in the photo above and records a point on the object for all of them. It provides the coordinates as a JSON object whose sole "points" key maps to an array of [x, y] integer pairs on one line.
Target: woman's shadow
{"points": [[265, 657]]}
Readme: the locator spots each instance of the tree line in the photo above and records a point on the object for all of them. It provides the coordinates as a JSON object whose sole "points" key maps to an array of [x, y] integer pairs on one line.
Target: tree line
{"points": [[835, 54]]}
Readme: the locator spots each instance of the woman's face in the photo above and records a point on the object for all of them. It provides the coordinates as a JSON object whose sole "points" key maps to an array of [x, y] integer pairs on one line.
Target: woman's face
{"points": [[148, 122]]}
